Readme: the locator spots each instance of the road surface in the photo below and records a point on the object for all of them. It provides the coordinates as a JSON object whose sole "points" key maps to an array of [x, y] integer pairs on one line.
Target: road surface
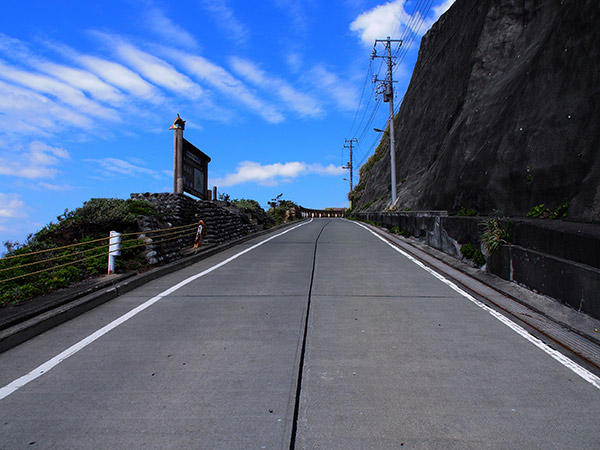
{"points": [[317, 336]]}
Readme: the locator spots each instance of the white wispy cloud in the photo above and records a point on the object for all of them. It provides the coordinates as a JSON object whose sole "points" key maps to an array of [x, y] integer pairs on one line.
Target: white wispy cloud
{"points": [[84, 81], [118, 167], [60, 92], [113, 73], [304, 104], [24, 112], [53, 187], [225, 19], [273, 174], [150, 67], [297, 14], [226, 83], [11, 206], [121, 77], [344, 95], [38, 160], [172, 34]]}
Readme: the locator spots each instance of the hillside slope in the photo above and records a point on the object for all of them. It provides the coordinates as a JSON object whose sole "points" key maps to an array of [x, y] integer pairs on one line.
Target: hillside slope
{"points": [[502, 112]]}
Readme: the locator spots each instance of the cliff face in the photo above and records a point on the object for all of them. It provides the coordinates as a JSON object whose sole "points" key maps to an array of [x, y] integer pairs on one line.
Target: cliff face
{"points": [[502, 112]]}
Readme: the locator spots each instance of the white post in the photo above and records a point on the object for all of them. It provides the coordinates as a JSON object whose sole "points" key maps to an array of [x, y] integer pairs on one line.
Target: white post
{"points": [[114, 249]]}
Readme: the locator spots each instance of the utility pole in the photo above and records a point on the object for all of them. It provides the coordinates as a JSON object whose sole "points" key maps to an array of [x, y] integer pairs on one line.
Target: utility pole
{"points": [[349, 165], [388, 96]]}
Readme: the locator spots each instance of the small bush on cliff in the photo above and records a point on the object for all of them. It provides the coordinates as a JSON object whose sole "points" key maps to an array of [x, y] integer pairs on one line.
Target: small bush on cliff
{"points": [[109, 212], [355, 195], [463, 212], [252, 205], [560, 212], [542, 212], [539, 212]]}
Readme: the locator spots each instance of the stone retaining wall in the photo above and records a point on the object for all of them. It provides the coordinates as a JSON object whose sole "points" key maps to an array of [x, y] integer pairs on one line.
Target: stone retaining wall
{"points": [[222, 224]]}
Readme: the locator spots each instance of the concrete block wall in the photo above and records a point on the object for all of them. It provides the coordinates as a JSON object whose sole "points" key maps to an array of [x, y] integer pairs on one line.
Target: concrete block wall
{"points": [[556, 258]]}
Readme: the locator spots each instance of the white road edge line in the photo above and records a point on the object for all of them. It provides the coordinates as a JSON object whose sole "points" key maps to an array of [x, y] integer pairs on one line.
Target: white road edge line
{"points": [[568, 363], [48, 365]]}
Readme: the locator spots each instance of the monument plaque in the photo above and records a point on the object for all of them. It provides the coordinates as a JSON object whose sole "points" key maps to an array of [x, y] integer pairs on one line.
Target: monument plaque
{"points": [[190, 164], [195, 170]]}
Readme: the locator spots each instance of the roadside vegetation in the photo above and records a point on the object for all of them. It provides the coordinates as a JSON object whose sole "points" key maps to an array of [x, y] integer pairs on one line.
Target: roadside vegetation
{"points": [[283, 210], [51, 259]]}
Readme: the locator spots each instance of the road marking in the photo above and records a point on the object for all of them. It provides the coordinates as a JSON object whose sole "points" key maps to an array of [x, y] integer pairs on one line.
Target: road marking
{"points": [[568, 363], [48, 365]]}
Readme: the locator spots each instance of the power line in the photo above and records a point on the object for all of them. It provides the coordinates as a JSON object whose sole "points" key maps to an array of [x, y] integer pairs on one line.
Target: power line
{"points": [[361, 98], [411, 30]]}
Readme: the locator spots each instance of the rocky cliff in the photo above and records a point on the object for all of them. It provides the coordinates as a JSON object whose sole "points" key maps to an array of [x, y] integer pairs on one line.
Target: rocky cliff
{"points": [[502, 112]]}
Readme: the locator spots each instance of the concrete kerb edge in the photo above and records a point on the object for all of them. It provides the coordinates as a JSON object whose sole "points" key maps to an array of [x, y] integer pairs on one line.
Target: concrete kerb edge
{"points": [[68, 309], [457, 265]]}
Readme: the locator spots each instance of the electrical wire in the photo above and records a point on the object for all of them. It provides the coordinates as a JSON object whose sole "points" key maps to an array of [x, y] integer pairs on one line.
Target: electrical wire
{"points": [[361, 97], [411, 30]]}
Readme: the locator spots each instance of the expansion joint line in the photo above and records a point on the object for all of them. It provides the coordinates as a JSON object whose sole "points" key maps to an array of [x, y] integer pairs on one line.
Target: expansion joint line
{"points": [[303, 350]]}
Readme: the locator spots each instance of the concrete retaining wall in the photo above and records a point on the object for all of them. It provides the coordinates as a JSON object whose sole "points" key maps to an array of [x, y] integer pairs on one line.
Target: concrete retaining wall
{"points": [[555, 258]]}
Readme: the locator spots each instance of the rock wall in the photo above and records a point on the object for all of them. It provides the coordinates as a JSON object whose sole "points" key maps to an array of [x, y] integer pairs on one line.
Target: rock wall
{"points": [[175, 210], [502, 112]]}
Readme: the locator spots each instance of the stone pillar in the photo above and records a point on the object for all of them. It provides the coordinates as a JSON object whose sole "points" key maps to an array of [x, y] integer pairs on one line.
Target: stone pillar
{"points": [[178, 161]]}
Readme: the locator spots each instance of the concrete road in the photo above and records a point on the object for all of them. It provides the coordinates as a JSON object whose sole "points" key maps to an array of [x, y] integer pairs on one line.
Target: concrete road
{"points": [[387, 356]]}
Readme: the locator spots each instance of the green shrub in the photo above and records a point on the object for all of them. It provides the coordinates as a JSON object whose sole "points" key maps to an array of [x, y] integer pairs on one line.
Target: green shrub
{"points": [[539, 212], [283, 210], [560, 212], [245, 203], [494, 233], [478, 258], [109, 212], [542, 212], [466, 212], [468, 250]]}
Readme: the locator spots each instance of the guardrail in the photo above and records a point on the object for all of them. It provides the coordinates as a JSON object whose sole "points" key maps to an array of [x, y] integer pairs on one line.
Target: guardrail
{"points": [[307, 213]]}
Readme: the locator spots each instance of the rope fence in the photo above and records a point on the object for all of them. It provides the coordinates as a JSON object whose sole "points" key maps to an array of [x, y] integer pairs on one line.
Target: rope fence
{"points": [[13, 266]]}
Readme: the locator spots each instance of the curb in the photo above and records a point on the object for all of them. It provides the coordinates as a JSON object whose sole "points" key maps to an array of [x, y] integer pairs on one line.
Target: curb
{"points": [[509, 289], [68, 308]]}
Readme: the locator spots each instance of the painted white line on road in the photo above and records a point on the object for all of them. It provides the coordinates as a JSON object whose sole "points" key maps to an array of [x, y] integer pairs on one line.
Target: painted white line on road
{"points": [[48, 365], [572, 365]]}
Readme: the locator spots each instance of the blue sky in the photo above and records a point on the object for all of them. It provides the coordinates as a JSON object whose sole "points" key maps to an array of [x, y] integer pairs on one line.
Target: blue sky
{"points": [[270, 90]]}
